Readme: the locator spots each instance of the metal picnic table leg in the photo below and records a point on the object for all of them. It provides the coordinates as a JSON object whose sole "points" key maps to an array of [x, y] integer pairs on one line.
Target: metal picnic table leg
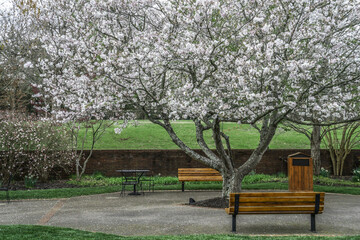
{"points": [[138, 180]]}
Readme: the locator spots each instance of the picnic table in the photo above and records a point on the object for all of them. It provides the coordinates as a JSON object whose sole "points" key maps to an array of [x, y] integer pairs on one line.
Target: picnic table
{"points": [[132, 177]]}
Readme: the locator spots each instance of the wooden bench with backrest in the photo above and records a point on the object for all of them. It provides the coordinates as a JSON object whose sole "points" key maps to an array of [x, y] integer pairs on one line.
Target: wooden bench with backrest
{"points": [[276, 203], [198, 174]]}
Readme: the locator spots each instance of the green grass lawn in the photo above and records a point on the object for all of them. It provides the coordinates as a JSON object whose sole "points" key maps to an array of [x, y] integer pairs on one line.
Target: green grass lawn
{"points": [[24, 232], [98, 184], [147, 135]]}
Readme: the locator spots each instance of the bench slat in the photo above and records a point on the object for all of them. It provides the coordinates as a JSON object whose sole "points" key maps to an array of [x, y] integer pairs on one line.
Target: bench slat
{"points": [[198, 174], [203, 178], [285, 212], [278, 203], [276, 194], [258, 209], [196, 169], [284, 200]]}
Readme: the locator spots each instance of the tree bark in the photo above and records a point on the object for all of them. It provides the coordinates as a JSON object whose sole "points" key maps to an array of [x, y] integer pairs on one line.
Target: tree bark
{"points": [[315, 142], [231, 183]]}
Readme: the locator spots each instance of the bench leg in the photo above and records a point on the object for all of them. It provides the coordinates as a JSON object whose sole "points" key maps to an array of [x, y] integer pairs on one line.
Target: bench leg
{"points": [[234, 223], [313, 225], [183, 186]]}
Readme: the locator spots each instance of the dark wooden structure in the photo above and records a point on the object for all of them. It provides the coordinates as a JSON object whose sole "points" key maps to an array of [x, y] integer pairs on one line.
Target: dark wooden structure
{"points": [[198, 174], [276, 203], [300, 172]]}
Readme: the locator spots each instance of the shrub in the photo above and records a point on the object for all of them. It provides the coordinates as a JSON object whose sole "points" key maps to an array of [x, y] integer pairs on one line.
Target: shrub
{"points": [[98, 175], [13, 146], [30, 182], [255, 178], [356, 177], [324, 172], [33, 147], [281, 175], [50, 148]]}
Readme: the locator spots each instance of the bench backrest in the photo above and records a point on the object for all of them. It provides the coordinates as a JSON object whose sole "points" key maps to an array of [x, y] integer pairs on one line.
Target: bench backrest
{"points": [[199, 174], [276, 202]]}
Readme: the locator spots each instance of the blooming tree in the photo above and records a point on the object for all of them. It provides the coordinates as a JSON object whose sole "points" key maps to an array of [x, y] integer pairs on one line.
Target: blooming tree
{"points": [[19, 50], [256, 62]]}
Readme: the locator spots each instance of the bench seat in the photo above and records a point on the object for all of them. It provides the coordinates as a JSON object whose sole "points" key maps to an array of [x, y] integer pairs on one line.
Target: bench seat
{"points": [[276, 203], [197, 174]]}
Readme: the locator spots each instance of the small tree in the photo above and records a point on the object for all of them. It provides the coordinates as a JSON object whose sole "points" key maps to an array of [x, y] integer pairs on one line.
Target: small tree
{"points": [[340, 142], [88, 131]]}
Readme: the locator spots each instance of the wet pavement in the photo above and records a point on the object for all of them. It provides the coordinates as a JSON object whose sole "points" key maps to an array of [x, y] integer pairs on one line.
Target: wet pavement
{"points": [[165, 213]]}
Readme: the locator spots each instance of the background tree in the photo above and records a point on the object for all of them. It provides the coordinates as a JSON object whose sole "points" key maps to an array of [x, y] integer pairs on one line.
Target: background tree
{"points": [[19, 50], [340, 142], [256, 62], [315, 134], [94, 130]]}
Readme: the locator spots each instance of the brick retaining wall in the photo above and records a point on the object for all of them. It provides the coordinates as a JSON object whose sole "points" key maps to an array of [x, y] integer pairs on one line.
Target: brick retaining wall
{"points": [[166, 162]]}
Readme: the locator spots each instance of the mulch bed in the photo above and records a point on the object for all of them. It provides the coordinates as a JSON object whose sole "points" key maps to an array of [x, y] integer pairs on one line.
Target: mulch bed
{"points": [[212, 203]]}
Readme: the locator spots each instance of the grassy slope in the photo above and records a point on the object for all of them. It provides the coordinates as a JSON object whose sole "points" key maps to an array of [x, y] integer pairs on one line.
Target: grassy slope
{"points": [[19, 232], [150, 136]]}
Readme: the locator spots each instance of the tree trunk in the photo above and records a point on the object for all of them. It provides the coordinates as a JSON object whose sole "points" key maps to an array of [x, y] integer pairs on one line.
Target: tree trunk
{"points": [[222, 162], [231, 183], [233, 179], [315, 149]]}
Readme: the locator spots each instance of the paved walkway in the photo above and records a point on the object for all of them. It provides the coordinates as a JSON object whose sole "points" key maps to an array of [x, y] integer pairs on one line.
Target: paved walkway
{"points": [[163, 213]]}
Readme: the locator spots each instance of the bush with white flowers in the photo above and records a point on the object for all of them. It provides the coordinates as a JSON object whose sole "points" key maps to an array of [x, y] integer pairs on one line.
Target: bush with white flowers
{"points": [[32, 147]]}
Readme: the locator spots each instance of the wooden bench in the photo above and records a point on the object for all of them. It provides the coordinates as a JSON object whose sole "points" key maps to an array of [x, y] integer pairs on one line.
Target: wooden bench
{"points": [[198, 174], [276, 203]]}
